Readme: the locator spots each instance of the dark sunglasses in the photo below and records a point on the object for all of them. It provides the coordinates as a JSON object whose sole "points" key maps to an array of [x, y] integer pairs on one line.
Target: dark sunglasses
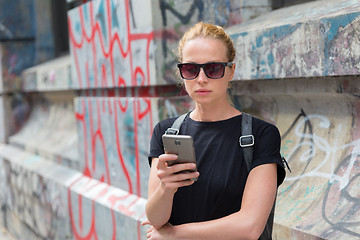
{"points": [[213, 70]]}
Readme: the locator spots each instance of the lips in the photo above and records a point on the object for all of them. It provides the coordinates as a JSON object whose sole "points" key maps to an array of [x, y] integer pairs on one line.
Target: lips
{"points": [[202, 91]]}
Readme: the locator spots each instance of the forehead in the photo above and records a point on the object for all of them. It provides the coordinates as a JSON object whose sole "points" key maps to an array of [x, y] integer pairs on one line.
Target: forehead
{"points": [[204, 50]]}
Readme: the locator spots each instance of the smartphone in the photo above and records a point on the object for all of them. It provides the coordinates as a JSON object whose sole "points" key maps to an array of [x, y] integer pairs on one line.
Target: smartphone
{"points": [[181, 145]]}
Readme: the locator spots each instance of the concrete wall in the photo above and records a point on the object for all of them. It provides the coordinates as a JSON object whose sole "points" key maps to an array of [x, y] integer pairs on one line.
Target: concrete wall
{"points": [[319, 127], [117, 44], [81, 159], [79, 164], [48, 201], [317, 114], [25, 40]]}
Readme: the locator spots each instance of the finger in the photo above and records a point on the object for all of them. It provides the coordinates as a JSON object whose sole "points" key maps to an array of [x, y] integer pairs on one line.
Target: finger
{"points": [[145, 222], [183, 167], [178, 176], [177, 173], [175, 185], [164, 158], [150, 229]]}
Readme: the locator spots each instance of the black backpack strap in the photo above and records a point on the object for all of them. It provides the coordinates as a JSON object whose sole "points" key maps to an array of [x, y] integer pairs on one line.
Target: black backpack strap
{"points": [[174, 129], [246, 139]]}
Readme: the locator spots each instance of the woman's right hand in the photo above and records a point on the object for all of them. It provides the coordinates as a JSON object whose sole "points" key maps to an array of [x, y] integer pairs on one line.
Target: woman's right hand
{"points": [[164, 181], [170, 176]]}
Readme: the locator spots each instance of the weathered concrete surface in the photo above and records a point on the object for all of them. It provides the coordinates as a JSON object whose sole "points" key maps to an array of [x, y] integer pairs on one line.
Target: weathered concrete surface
{"points": [[44, 200], [48, 76], [121, 44], [117, 44], [114, 137], [114, 148], [5, 235], [318, 115], [172, 18], [114, 134], [3, 126], [14, 112], [15, 57], [320, 126], [50, 130], [26, 39], [314, 39]]}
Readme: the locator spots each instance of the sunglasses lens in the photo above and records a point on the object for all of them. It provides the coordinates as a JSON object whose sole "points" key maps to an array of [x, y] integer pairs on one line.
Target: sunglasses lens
{"points": [[214, 70], [189, 71]]}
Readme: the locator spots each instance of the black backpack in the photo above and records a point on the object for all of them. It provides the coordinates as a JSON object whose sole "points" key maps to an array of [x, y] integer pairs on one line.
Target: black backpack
{"points": [[246, 141]]}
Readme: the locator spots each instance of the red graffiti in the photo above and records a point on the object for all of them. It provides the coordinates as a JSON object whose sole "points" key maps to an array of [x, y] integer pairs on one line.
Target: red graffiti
{"points": [[105, 48], [107, 54], [79, 232], [88, 231], [93, 134]]}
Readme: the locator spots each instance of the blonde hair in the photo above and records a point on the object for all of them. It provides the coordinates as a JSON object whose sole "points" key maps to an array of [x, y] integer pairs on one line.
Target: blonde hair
{"points": [[207, 30]]}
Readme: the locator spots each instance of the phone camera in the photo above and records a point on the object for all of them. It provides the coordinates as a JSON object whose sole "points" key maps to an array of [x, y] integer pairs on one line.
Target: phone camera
{"points": [[177, 142]]}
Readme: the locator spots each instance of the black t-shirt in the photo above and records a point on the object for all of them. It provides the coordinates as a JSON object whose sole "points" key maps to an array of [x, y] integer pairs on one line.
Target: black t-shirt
{"points": [[220, 161]]}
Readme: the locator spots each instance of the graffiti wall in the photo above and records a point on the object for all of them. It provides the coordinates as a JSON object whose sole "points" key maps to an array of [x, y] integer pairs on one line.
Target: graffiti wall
{"points": [[53, 75], [281, 44], [44, 200], [108, 193], [320, 140], [118, 43], [49, 130], [80, 162], [173, 18], [26, 39], [322, 145], [114, 133], [14, 113], [318, 116], [107, 50], [15, 57]]}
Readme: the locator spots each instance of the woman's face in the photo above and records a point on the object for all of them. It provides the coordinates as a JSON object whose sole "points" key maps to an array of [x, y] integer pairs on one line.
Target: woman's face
{"points": [[202, 89]]}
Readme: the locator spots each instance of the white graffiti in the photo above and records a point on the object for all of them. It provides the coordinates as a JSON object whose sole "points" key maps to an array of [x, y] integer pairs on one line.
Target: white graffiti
{"points": [[317, 144]]}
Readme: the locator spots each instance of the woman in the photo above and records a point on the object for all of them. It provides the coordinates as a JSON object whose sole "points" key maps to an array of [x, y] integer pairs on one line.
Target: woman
{"points": [[225, 202]]}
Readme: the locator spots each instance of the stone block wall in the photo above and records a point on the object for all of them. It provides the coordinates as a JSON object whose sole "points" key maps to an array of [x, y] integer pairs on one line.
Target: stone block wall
{"points": [[300, 67], [80, 162]]}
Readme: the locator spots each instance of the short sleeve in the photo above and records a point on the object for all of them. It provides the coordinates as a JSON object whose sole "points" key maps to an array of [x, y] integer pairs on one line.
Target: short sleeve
{"points": [[267, 149]]}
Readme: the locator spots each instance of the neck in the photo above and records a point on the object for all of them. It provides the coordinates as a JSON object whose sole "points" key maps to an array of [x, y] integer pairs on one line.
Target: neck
{"points": [[211, 114]]}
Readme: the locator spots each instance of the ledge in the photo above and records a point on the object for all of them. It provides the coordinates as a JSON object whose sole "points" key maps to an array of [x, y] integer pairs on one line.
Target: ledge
{"points": [[46, 196], [53, 75], [309, 40]]}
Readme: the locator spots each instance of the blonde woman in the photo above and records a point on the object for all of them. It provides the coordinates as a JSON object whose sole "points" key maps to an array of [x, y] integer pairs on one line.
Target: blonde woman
{"points": [[226, 202]]}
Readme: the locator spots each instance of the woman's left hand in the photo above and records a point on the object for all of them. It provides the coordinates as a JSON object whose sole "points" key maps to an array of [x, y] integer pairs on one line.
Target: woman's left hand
{"points": [[164, 233]]}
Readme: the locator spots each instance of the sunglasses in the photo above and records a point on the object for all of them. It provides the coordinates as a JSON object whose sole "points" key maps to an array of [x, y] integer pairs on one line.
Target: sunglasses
{"points": [[213, 70]]}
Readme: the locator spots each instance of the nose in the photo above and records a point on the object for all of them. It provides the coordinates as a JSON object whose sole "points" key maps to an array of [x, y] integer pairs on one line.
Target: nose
{"points": [[202, 76]]}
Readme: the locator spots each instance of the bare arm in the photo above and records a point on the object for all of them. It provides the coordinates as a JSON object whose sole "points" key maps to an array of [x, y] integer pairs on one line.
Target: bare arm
{"points": [[248, 223], [163, 183]]}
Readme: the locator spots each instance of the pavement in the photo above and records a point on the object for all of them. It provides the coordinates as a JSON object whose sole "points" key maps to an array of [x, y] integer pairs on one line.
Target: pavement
{"points": [[5, 235]]}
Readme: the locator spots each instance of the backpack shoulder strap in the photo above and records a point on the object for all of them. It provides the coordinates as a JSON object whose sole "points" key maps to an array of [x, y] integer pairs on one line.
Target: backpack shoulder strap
{"points": [[246, 140], [174, 129]]}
